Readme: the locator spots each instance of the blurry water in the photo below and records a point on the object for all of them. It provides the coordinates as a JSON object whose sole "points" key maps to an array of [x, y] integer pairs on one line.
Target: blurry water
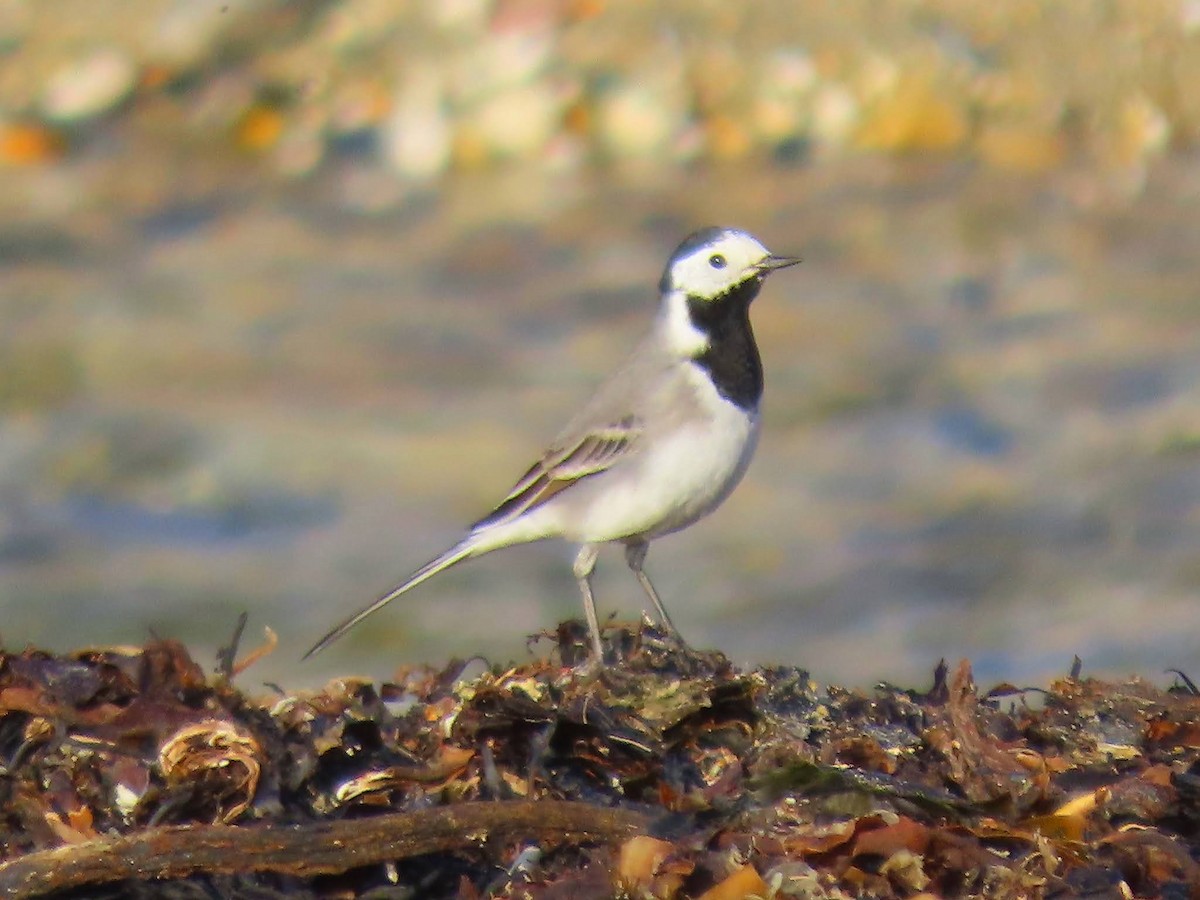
{"points": [[982, 432]]}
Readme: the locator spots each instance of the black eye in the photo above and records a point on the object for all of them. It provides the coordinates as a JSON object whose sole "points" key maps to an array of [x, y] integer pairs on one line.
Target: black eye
{"points": [[717, 261]]}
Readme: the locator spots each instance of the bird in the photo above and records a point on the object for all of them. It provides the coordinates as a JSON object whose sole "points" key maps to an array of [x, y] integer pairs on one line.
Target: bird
{"points": [[660, 444]]}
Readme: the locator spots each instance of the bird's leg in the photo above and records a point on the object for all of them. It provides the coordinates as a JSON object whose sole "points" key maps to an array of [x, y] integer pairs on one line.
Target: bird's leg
{"points": [[585, 563], [635, 555]]}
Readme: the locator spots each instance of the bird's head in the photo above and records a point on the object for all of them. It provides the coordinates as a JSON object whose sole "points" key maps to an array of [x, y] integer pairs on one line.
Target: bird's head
{"points": [[712, 262], [714, 273]]}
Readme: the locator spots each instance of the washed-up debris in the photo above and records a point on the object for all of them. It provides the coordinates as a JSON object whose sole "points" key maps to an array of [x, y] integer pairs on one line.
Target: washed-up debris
{"points": [[671, 774]]}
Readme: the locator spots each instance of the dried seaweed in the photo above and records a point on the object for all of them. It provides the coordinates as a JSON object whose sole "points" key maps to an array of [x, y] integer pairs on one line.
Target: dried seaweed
{"points": [[128, 772]]}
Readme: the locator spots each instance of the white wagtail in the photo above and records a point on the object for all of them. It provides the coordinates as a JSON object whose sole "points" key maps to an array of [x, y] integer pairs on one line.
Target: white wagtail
{"points": [[660, 445]]}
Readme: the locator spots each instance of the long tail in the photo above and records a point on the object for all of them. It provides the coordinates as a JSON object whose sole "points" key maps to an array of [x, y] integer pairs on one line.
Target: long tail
{"points": [[464, 549]]}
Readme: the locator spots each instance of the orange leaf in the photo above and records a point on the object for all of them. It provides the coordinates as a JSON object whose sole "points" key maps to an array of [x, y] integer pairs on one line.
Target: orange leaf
{"points": [[648, 866], [741, 885], [905, 834]]}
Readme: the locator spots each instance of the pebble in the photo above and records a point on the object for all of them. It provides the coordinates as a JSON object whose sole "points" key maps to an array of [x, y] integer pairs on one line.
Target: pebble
{"points": [[416, 140], [260, 128], [186, 32], [728, 139], [835, 114], [642, 117], [1143, 129], [916, 116], [499, 62], [789, 72], [28, 143], [518, 123], [634, 122], [876, 77], [786, 80], [89, 87]]}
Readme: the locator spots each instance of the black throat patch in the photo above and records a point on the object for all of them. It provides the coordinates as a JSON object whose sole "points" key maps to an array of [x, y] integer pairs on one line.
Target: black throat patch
{"points": [[731, 359]]}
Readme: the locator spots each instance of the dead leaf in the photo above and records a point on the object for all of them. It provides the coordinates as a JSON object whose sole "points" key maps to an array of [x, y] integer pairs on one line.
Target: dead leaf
{"points": [[647, 866], [743, 884], [222, 755], [904, 834]]}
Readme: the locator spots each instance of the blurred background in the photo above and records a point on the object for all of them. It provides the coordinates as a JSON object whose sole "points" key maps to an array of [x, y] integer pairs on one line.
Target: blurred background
{"points": [[290, 292]]}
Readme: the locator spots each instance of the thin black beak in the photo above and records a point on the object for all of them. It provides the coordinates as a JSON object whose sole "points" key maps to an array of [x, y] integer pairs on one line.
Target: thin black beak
{"points": [[771, 263]]}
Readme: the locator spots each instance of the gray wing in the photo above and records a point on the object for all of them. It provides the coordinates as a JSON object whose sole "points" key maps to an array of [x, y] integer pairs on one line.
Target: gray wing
{"points": [[609, 428], [563, 465]]}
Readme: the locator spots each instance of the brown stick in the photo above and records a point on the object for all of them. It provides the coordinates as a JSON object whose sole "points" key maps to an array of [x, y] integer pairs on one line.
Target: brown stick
{"points": [[318, 849]]}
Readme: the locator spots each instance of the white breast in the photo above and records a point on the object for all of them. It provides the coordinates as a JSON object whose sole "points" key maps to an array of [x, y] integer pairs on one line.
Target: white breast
{"points": [[683, 473]]}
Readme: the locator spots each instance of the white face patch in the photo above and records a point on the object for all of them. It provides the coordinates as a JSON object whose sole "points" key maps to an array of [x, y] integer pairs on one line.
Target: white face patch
{"points": [[683, 338], [713, 268]]}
